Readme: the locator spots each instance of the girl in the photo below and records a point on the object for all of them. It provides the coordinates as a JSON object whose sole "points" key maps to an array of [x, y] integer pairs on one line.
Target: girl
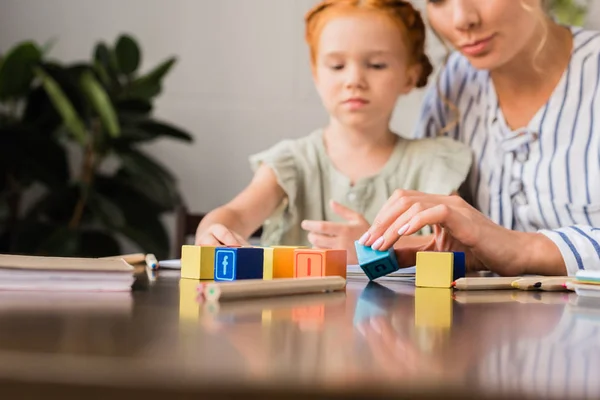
{"points": [[324, 189], [526, 92]]}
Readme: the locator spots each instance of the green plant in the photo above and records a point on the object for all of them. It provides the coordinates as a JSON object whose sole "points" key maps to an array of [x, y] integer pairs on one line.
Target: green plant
{"points": [[571, 12], [102, 112]]}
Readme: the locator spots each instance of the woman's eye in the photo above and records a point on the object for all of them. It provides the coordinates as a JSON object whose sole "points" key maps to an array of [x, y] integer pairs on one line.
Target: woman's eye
{"points": [[336, 67]]}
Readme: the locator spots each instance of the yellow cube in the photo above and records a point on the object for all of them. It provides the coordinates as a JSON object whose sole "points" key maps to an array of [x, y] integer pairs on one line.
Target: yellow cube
{"points": [[283, 261], [433, 307], [435, 269], [267, 263], [198, 262]]}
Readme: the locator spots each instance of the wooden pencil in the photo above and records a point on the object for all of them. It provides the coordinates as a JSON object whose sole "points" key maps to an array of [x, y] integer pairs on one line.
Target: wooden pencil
{"points": [[484, 283], [535, 283], [555, 284], [527, 283], [277, 287]]}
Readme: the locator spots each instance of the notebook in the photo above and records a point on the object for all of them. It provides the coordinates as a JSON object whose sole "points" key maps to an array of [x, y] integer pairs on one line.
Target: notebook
{"points": [[64, 274], [403, 274]]}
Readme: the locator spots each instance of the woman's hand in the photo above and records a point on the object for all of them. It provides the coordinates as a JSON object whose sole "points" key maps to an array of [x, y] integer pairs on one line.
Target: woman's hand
{"points": [[457, 227], [336, 235], [219, 235]]}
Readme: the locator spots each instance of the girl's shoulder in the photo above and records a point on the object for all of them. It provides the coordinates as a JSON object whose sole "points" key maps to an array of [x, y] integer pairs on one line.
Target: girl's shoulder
{"points": [[437, 165], [441, 146]]}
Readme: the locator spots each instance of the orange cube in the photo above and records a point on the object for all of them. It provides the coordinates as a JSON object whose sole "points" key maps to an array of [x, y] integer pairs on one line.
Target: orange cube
{"points": [[283, 261], [316, 262]]}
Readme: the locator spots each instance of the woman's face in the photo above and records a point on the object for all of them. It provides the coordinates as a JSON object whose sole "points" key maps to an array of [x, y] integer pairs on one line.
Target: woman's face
{"points": [[490, 33]]}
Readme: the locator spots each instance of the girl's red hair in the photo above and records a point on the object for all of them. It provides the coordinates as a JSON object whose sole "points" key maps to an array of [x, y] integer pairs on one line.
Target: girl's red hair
{"points": [[407, 18]]}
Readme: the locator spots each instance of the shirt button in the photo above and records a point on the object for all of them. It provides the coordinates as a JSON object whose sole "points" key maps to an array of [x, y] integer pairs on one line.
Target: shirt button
{"points": [[515, 187], [352, 197], [522, 156]]}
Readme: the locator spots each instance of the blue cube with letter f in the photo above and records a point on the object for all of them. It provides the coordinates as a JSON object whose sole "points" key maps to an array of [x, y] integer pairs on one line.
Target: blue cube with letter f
{"points": [[235, 263]]}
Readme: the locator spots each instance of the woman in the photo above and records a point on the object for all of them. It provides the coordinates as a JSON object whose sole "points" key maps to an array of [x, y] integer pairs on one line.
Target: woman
{"points": [[523, 92]]}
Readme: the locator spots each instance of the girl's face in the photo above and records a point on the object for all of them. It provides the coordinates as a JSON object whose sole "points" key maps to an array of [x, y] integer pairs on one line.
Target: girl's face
{"points": [[361, 67], [490, 33]]}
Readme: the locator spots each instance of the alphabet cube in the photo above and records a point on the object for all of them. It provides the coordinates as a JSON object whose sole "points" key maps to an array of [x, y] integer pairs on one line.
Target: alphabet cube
{"points": [[283, 261], [197, 262], [235, 263], [376, 263], [439, 269], [317, 262]]}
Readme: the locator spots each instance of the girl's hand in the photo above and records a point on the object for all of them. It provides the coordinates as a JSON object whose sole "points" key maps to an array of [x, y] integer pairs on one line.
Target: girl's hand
{"points": [[219, 235], [457, 227], [336, 235]]}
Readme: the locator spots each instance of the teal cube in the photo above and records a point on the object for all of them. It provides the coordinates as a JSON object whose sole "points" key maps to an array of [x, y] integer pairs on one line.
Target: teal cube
{"points": [[375, 263]]}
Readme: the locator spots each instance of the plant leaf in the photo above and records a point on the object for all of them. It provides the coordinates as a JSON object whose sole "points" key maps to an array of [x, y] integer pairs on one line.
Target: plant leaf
{"points": [[149, 177], [31, 156], [163, 129], [101, 103], [149, 85], [145, 90], [64, 106], [142, 215], [158, 73], [16, 71], [107, 59], [40, 112], [106, 210], [128, 55], [134, 106]]}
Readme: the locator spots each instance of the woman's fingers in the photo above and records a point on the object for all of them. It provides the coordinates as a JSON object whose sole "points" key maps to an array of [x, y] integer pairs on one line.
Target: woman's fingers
{"points": [[400, 226], [393, 209]]}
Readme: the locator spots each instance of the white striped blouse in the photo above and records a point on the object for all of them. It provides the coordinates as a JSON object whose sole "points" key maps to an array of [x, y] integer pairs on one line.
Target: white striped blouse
{"points": [[544, 177]]}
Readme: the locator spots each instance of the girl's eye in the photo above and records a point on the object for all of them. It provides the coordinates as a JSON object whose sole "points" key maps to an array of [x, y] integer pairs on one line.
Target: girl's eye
{"points": [[435, 1], [336, 67], [378, 66]]}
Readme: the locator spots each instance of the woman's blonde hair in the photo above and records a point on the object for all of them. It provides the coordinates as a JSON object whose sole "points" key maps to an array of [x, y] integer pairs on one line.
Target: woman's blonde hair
{"points": [[545, 4]]}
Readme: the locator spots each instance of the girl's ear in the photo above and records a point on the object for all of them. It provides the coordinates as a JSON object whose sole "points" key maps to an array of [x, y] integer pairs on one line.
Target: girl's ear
{"points": [[413, 73]]}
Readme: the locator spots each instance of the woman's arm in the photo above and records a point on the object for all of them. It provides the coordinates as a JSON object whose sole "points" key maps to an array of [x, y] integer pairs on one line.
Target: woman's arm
{"points": [[578, 246], [460, 227], [243, 215]]}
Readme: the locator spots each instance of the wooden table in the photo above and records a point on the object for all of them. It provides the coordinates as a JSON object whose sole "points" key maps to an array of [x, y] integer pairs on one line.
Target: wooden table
{"points": [[385, 340]]}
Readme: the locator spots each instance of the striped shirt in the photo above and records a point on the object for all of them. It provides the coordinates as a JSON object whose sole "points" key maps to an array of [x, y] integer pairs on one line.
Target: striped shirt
{"points": [[544, 177]]}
